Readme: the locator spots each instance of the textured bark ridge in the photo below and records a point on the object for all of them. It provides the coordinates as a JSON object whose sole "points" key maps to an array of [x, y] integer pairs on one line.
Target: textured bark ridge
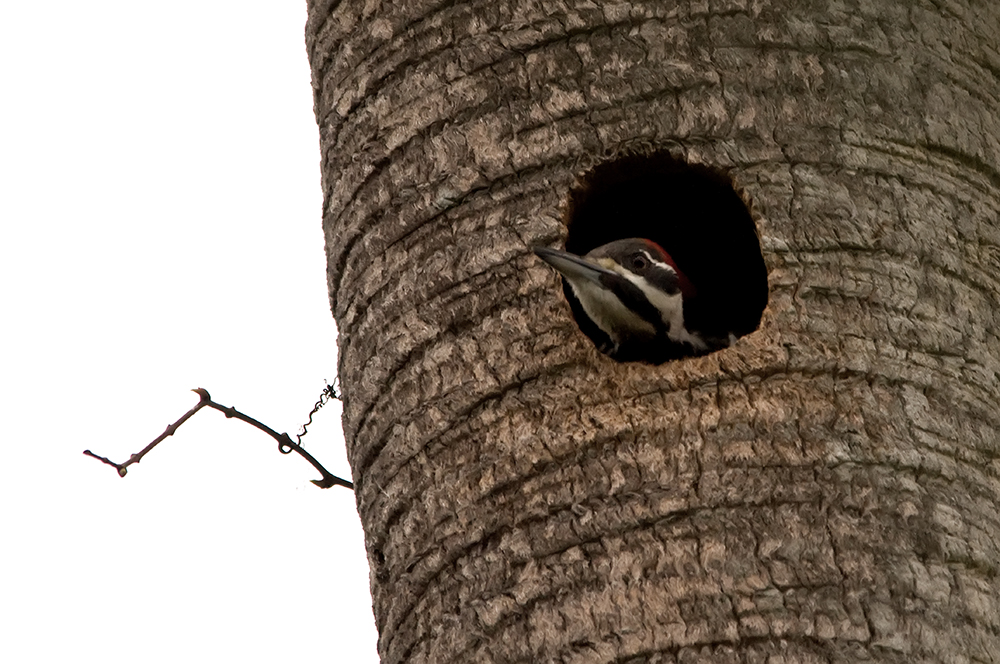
{"points": [[824, 491]]}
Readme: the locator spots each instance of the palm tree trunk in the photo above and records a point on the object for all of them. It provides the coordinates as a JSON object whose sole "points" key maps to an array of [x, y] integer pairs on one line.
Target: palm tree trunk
{"points": [[826, 490]]}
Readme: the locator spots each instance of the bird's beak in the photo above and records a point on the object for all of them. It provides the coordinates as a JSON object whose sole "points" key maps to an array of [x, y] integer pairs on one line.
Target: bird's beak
{"points": [[571, 266]]}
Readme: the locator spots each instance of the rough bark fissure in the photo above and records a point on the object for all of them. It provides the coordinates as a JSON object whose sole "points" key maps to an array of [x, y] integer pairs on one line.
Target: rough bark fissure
{"points": [[385, 288], [826, 490], [458, 417]]}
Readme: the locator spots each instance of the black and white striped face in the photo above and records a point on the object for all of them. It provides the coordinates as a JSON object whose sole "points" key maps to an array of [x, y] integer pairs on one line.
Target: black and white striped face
{"points": [[653, 272], [631, 289], [643, 262]]}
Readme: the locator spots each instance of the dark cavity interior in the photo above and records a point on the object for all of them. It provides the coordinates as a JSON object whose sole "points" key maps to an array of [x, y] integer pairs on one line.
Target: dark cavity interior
{"points": [[695, 214]]}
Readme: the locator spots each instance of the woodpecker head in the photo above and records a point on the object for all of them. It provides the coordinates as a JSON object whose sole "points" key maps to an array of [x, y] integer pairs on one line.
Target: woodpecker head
{"points": [[634, 293]]}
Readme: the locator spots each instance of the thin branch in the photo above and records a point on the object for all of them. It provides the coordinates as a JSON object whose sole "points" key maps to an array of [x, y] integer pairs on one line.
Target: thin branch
{"points": [[285, 443]]}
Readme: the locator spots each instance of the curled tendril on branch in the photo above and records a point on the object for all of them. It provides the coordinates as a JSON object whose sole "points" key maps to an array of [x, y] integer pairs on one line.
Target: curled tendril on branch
{"points": [[329, 392], [285, 443]]}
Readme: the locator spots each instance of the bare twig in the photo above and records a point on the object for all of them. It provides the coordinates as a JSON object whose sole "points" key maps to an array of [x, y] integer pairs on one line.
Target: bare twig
{"points": [[285, 443]]}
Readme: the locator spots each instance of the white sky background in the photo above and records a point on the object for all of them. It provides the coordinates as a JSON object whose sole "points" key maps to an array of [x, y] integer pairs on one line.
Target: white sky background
{"points": [[160, 230]]}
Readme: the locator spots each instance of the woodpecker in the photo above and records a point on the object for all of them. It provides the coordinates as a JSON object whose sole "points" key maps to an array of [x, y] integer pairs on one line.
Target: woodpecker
{"points": [[634, 293]]}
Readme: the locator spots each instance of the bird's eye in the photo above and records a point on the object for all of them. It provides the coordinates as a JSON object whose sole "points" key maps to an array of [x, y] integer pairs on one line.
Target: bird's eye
{"points": [[639, 262]]}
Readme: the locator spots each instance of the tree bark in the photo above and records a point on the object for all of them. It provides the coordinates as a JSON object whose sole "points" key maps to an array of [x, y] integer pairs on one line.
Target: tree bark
{"points": [[825, 490]]}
